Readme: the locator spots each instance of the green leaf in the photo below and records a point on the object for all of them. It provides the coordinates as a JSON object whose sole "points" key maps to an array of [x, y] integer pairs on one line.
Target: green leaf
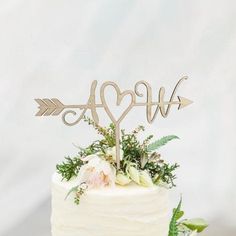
{"points": [[74, 189], [179, 214], [161, 142], [195, 224], [173, 227]]}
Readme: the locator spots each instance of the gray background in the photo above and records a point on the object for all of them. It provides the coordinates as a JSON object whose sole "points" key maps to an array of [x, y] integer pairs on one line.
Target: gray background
{"points": [[56, 48]]}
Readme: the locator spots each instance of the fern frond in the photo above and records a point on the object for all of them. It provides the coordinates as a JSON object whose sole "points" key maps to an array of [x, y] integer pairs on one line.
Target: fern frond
{"points": [[160, 142], [173, 227]]}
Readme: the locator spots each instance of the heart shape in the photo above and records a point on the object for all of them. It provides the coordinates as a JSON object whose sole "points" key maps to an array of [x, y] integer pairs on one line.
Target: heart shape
{"points": [[119, 97]]}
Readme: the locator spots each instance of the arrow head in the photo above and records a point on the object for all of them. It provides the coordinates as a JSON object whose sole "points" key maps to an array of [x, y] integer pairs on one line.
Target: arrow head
{"points": [[183, 102]]}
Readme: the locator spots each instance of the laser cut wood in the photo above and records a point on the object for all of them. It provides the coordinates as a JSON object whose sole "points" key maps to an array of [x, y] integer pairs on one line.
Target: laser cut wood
{"points": [[54, 107]]}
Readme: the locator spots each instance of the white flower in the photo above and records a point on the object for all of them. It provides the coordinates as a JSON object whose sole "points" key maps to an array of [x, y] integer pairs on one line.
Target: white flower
{"points": [[134, 174], [111, 152], [96, 173], [122, 179], [145, 179]]}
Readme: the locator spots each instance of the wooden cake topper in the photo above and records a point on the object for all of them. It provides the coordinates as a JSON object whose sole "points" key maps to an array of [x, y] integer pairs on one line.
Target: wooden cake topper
{"points": [[54, 107]]}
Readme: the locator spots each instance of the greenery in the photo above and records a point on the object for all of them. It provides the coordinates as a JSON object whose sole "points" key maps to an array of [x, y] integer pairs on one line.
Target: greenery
{"points": [[79, 190], [70, 167], [141, 154], [173, 227], [164, 172], [161, 142], [184, 227]]}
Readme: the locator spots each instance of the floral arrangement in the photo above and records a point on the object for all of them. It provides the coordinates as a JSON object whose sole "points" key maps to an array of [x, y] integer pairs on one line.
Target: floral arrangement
{"points": [[140, 163], [95, 165]]}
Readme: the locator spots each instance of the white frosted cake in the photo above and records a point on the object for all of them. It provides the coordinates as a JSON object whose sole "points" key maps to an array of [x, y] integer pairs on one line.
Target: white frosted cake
{"points": [[97, 194], [118, 185], [130, 210]]}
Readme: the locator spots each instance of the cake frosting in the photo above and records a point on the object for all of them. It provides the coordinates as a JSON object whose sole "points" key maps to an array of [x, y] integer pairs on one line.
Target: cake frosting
{"points": [[130, 210]]}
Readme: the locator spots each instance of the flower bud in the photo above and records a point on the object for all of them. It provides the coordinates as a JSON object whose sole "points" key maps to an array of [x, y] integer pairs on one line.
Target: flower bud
{"points": [[156, 179], [122, 179], [145, 179], [134, 174]]}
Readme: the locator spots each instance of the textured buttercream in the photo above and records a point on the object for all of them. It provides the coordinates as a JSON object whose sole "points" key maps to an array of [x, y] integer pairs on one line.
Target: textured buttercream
{"points": [[119, 211]]}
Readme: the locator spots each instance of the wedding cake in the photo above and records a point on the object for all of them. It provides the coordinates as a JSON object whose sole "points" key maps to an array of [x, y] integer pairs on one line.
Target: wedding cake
{"points": [[92, 197], [129, 211], [117, 185]]}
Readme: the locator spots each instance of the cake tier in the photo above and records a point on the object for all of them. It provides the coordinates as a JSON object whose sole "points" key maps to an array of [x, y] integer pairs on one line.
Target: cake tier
{"points": [[120, 211]]}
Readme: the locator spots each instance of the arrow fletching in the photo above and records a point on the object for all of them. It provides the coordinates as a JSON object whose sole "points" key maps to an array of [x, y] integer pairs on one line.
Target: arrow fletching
{"points": [[49, 107]]}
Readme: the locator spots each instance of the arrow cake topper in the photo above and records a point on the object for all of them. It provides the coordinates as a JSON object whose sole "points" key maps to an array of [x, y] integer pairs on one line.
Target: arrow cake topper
{"points": [[54, 107]]}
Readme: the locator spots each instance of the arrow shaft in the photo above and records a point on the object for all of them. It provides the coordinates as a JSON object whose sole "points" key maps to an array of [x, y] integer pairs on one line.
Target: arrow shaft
{"points": [[135, 104], [82, 106], [156, 103]]}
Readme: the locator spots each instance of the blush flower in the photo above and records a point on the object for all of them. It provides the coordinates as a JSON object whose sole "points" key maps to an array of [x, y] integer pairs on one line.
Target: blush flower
{"points": [[96, 172]]}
